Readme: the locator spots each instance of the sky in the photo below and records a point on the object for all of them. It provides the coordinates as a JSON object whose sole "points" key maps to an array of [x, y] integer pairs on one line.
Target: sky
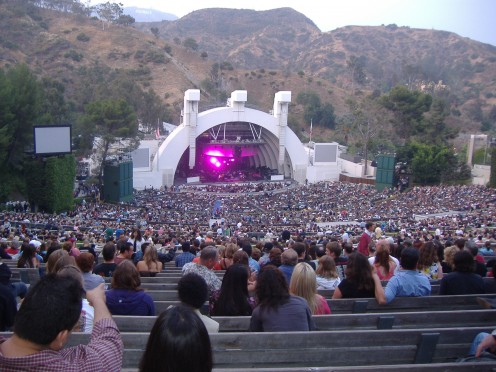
{"points": [[475, 19]]}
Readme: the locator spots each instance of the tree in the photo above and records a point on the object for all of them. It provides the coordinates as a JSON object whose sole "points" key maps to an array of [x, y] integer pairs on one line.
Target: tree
{"points": [[155, 32], [204, 55], [20, 102], [125, 20], [190, 43], [355, 67], [110, 121], [409, 108], [109, 12], [315, 111]]}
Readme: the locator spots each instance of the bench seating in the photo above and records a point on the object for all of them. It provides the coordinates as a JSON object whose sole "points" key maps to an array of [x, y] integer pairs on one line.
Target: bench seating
{"points": [[400, 320], [320, 349]]}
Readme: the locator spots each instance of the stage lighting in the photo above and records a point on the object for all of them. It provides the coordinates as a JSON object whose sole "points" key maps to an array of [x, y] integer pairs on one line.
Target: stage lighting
{"points": [[213, 160]]}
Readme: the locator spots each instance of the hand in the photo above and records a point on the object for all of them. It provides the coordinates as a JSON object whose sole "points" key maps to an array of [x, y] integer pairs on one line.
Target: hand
{"points": [[96, 295], [487, 342]]}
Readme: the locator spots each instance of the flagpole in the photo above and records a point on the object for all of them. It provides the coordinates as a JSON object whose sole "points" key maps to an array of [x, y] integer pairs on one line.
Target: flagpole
{"points": [[311, 128]]}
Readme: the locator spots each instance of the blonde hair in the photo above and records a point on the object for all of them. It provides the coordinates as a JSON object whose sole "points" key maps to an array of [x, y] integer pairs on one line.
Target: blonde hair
{"points": [[231, 248], [304, 284], [151, 256], [449, 255], [327, 268]]}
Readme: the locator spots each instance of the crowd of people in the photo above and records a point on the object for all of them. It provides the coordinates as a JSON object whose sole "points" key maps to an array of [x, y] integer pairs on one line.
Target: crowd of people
{"points": [[274, 280]]}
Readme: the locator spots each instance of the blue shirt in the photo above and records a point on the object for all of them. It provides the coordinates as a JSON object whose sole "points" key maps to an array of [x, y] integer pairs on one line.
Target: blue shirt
{"points": [[184, 258], [407, 283], [254, 265]]}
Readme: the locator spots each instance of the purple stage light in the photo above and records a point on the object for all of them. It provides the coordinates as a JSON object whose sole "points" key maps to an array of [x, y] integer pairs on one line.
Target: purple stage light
{"points": [[213, 160]]}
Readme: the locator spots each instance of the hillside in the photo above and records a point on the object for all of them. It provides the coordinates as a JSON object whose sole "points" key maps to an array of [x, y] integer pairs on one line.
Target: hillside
{"points": [[220, 50]]}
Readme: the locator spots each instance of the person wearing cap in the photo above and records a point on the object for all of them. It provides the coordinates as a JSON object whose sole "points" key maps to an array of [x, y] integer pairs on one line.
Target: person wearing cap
{"points": [[185, 257]]}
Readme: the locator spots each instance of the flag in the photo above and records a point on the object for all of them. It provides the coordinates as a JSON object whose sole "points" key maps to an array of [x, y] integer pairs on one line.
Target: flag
{"points": [[157, 132]]}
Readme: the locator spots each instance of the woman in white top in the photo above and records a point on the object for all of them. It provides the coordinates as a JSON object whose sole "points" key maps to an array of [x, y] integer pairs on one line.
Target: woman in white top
{"points": [[136, 240], [327, 275]]}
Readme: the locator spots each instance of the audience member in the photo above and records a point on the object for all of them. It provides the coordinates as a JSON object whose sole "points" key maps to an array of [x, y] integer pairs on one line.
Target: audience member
{"points": [[289, 259], [208, 258], [408, 282], [277, 310], [462, 280], [185, 257], [304, 284], [233, 298], [150, 265], [178, 341], [327, 275], [108, 266], [126, 297], [85, 262], [360, 281], [193, 292], [44, 322], [428, 262]]}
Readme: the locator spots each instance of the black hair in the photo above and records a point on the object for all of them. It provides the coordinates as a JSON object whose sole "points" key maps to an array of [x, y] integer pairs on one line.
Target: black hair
{"points": [[409, 258], [177, 333], [246, 246], [186, 247], [52, 305], [233, 297], [463, 262], [192, 290], [272, 288], [299, 248], [108, 251]]}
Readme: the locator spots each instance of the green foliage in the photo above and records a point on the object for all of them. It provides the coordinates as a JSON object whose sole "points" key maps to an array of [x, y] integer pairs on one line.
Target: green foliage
{"points": [[190, 43], [409, 108], [51, 183], [83, 37], [432, 164], [110, 120], [480, 156], [492, 178], [204, 55], [75, 56], [315, 111], [125, 20], [155, 31]]}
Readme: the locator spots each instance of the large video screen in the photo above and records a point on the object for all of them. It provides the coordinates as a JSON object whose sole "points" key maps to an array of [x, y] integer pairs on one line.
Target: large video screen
{"points": [[52, 140], [325, 153]]}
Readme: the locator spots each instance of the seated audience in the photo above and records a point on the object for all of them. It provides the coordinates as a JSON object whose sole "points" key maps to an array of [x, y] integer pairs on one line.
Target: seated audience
{"points": [[385, 264], [408, 282], [125, 252], [125, 296], [193, 292], [304, 284], [150, 265], [208, 259], [28, 257], [483, 342], [360, 282], [44, 322], [277, 309], [327, 275], [462, 280], [85, 262], [185, 257], [289, 259], [428, 262], [8, 308], [233, 298], [18, 289], [108, 266], [178, 342]]}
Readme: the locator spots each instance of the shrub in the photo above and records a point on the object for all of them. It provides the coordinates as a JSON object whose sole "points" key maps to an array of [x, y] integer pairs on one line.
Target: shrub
{"points": [[83, 37]]}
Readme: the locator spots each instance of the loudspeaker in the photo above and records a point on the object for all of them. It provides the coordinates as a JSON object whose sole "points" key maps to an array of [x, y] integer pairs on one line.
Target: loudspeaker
{"points": [[118, 182]]}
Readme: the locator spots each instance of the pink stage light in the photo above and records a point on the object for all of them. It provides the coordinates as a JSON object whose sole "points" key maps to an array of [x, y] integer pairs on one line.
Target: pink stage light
{"points": [[214, 153], [217, 164], [213, 160]]}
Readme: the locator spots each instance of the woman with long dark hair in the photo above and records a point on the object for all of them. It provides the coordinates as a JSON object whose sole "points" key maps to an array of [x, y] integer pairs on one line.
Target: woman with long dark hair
{"points": [[233, 298], [278, 310], [28, 257], [428, 263], [361, 280], [178, 342]]}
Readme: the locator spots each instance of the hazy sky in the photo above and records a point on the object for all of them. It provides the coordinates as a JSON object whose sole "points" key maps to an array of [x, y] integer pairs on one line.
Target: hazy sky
{"points": [[475, 19]]}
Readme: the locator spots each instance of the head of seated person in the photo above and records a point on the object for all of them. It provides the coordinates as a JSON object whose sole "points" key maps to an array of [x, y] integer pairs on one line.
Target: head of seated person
{"points": [[48, 313], [192, 290]]}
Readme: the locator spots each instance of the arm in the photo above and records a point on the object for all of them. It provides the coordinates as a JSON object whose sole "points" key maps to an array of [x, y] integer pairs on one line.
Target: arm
{"points": [[255, 321], [380, 296], [337, 294], [487, 342], [439, 271], [391, 289]]}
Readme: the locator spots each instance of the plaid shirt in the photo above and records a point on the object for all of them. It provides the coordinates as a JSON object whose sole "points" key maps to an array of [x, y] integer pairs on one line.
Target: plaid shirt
{"points": [[103, 353], [184, 258]]}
